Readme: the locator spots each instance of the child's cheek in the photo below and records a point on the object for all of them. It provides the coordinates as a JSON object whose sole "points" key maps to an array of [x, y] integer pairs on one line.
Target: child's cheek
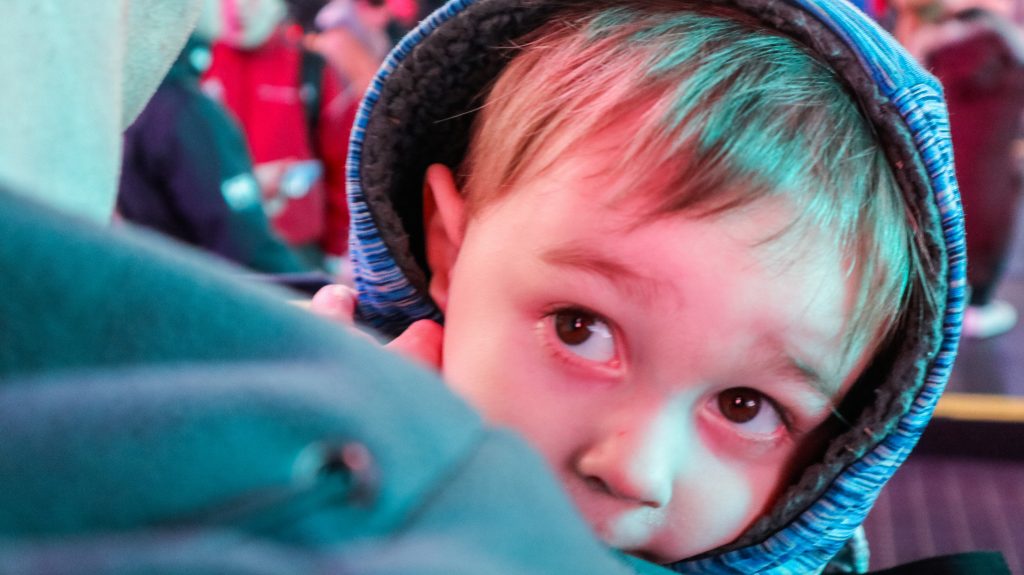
{"points": [[711, 507], [759, 468]]}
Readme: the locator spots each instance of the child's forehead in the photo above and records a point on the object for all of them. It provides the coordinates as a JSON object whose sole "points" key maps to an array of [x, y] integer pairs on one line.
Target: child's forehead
{"points": [[595, 158], [621, 197], [628, 194]]}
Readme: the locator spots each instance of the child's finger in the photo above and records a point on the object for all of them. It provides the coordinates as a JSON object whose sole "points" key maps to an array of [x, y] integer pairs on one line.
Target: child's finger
{"points": [[336, 302], [422, 342]]}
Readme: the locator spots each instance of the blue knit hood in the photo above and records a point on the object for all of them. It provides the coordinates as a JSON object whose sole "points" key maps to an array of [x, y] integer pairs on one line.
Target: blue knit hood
{"points": [[418, 112]]}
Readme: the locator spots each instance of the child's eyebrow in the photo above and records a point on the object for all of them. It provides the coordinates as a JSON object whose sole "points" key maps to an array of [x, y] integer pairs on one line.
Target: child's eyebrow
{"points": [[623, 277], [790, 365]]}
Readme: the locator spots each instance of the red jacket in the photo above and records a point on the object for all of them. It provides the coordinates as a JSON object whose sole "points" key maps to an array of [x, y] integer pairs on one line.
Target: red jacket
{"points": [[981, 67], [262, 87]]}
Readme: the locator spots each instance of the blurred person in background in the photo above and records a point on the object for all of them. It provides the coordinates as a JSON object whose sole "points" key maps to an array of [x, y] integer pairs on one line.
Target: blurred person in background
{"points": [[977, 52], [303, 12], [407, 13], [296, 116], [352, 35], [187, 171]]}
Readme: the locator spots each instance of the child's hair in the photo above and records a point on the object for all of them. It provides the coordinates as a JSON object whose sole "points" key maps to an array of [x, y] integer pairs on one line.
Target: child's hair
{"points": [[733, 112]]}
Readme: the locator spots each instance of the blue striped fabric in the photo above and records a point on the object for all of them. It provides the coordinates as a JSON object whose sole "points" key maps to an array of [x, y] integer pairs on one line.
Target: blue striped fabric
{"points": [[389, 302]]}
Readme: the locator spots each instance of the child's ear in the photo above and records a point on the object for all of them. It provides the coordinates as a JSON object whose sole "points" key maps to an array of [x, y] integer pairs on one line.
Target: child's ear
{"points": [[444, 218]]}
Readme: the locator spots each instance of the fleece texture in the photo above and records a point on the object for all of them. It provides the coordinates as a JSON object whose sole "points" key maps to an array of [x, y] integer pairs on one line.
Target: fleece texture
{"points": [[159, 416], [63, 146]]}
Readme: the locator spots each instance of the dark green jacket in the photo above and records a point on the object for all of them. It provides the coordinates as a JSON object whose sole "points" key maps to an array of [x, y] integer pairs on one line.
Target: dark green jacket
{"points": [[158, 416]]}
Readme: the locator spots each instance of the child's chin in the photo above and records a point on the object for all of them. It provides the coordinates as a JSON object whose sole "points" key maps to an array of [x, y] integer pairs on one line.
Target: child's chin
{"points": [[653, 553], [652, 557]]}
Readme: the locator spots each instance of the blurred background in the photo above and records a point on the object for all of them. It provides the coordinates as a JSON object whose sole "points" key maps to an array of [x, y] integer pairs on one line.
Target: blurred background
{"points": [[242, 150], [963, 488]]}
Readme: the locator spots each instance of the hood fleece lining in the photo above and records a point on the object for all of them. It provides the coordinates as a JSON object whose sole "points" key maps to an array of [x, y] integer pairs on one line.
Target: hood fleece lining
{"points": [[424, 116]]}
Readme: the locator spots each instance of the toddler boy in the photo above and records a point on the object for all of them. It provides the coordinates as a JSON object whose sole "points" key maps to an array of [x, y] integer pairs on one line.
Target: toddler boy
{"points": [[672, 241]]}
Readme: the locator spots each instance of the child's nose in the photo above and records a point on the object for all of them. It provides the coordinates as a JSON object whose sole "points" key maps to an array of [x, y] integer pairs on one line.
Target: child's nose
{"points": [[639, 461]]}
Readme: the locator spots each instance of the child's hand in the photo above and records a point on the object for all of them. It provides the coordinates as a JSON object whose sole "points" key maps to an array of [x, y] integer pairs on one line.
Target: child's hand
{"points": [[421, 341], [336, 302]]}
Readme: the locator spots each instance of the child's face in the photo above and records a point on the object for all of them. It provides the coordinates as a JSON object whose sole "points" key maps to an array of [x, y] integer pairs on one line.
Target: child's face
{"points": [[671, 372]]}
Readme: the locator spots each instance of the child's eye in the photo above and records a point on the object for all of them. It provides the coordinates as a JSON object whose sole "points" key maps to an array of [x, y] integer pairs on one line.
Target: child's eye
{"points": [[750, 410], [585, 335]]}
